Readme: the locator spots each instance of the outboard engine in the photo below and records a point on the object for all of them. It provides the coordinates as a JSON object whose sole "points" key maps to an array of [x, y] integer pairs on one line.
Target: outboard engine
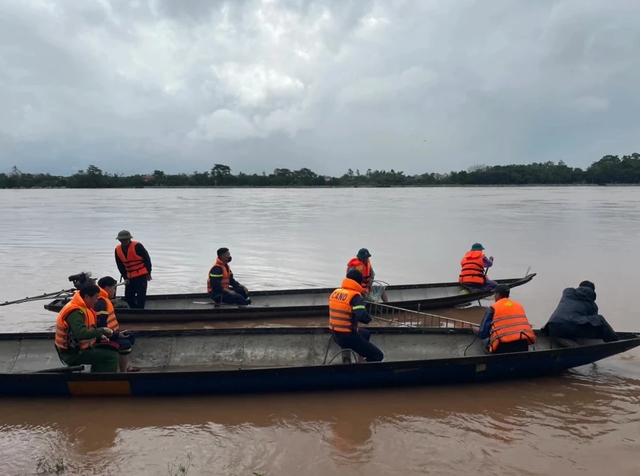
{"points": [[80, 279]]}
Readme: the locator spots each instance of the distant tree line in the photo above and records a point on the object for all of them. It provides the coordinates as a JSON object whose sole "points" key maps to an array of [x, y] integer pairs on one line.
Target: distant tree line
{"points": [[611, 169]]}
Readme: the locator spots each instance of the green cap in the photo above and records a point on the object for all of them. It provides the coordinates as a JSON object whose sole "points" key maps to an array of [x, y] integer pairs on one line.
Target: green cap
{"points": [[363, 253], [477, 246], [124, 235]]}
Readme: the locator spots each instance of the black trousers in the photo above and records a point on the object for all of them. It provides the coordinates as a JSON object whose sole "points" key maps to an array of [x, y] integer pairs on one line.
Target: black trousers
{"points": [[515, 346], [135, 293], [359, 343]]}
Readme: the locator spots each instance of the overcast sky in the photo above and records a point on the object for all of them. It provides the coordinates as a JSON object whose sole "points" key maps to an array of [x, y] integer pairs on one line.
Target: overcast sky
{"points": [[419, 86]]}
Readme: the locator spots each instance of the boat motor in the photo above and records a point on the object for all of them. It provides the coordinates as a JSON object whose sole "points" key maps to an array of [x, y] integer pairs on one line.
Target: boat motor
{"points": [[80, 279]]}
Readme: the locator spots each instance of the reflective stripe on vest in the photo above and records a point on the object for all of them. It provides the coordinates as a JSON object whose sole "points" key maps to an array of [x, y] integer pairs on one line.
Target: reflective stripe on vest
{"points": [[110, 313], [472, 268], [132, 262], [365, 269], [226, 276], [509, 324], [64, 339]]}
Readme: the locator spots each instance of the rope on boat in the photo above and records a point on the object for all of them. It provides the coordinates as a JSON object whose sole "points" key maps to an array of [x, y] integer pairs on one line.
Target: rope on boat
{"points": [[324, 361], [355, 356]]}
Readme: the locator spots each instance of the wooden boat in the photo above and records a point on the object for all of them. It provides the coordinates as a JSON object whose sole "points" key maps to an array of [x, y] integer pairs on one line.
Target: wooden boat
{"points": [[223, 361], [290, 303]]}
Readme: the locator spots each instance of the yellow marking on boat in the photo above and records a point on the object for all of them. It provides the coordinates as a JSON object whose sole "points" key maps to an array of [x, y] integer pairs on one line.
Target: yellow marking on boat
{"points": [[481, 367], [94, 388]]}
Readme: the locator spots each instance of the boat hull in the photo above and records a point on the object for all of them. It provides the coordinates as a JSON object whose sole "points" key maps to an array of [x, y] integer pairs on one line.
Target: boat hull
{"points": [[291, 303], [459, 369]]}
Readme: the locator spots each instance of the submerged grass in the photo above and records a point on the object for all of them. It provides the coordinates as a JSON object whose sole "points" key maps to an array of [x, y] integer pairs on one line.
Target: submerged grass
{"points": [[50, 465], [179, 469], [53, 465]]}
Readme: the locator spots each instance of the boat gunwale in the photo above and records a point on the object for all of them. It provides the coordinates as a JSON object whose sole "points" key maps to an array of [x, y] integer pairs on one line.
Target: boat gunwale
{"points": [[628, 341], [56, 305]]}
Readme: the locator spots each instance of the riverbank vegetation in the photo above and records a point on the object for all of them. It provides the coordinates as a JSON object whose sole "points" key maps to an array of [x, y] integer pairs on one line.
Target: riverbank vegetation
{"points": [[610, 169]]}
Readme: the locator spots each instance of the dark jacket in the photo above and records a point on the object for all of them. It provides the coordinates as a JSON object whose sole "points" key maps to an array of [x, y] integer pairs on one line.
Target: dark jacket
{"points": [[577, 317], [360, 313]]}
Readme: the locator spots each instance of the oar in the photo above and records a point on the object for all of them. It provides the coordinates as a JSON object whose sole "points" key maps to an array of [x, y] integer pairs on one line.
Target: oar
{"points": [[37, 298]]}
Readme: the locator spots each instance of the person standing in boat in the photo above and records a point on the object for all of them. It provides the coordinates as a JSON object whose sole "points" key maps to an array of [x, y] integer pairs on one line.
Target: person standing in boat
{"points": [[134, 264], [362, 263], [77, 333], [106, 317], [346, 310], [222, 286], [505, 325], [475, 265]]}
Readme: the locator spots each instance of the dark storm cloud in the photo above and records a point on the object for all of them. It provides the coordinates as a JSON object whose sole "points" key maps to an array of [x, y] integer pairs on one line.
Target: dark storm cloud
{"points": [[133, 86]]}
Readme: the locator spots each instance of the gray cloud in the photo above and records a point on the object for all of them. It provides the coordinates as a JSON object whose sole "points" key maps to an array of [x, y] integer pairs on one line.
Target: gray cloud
{"points": [[410, 85]]}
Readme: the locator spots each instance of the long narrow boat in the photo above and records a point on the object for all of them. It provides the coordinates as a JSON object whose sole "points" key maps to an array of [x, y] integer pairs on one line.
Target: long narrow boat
{"points": [[291, 303], [224, 361]]}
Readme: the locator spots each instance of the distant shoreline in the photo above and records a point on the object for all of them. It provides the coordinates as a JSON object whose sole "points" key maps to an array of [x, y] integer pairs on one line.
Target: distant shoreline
{"points": [[226, 187], [611, 170]]}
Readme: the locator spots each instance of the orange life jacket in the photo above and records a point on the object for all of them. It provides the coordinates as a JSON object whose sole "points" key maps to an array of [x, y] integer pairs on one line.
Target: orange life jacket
{"points": [[509, 324], [132, 262], [226, 275], [112, 321], [341, 317], [472, 268], [64, 339], [365, 269]]}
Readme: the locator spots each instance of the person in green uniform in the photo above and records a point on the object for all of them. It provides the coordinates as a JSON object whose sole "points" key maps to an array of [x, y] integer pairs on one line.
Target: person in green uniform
{"points": [[77, 336]]}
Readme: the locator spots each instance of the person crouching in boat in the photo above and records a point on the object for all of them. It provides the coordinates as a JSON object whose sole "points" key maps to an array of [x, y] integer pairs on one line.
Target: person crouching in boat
{"points": [[221, 285], [106, 316], [346, 309], [577, 316], [505, 325], [362, 263], [77, 333], [473, 274]]}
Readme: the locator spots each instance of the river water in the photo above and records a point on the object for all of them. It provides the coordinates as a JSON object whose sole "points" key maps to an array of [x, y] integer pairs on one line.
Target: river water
{"points": [[585, 422]]}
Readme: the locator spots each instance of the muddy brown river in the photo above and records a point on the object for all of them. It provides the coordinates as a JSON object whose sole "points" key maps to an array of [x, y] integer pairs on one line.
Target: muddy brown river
{"points": [[584, 422]]}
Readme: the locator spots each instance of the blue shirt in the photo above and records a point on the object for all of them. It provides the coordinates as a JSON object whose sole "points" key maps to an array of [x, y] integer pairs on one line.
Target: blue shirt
{"points": [[485, 327]]}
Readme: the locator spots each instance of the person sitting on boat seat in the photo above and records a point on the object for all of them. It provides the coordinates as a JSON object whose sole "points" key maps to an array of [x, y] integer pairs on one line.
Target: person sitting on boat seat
{"points": [[473, 274], [577, 316], [362, 263], [505, 325], [221, 285], [106, 316], [346, 309], [77, 333]]}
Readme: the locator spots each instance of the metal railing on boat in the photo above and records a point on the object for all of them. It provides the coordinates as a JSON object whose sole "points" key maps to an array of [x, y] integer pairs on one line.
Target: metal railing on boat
{"points": [[409, 318]]}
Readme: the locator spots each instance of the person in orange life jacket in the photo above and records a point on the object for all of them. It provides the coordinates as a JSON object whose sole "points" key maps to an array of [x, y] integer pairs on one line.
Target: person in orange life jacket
{"points": [[77, 333], [505, 325], [222, 286], [362, 263], [473, 272], [346, 310], [134, 264], [106, 317]]}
